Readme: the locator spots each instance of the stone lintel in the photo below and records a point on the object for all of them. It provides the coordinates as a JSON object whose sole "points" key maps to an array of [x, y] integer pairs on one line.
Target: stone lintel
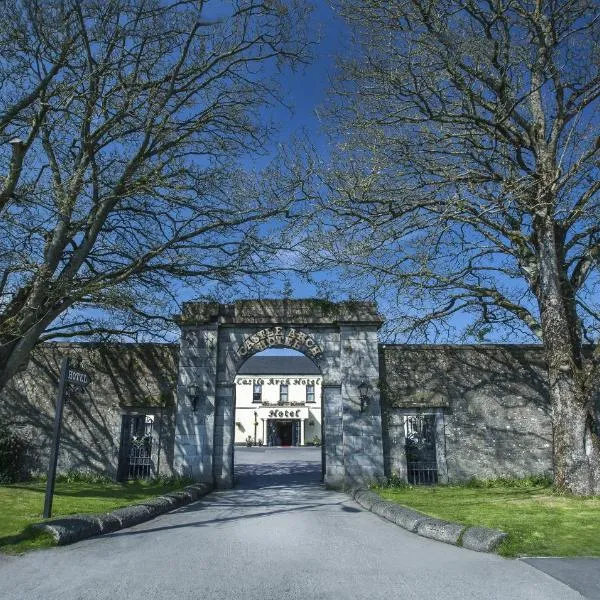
{"points": [[270, 312]]}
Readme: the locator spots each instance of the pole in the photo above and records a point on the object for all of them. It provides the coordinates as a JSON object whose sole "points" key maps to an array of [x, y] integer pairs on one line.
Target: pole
{"points": [[55, 438]]}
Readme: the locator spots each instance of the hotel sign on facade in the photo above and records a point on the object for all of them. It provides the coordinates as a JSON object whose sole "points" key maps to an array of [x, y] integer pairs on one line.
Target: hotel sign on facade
{"points": [[276, 337]]}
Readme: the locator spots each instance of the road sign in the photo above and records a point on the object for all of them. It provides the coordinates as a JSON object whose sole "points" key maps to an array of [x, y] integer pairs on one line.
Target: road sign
{"points": [[80, 378]]}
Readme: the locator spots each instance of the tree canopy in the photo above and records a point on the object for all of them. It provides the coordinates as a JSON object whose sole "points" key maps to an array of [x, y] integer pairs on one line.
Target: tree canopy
{"points": [[466, 180], [121, 124]]}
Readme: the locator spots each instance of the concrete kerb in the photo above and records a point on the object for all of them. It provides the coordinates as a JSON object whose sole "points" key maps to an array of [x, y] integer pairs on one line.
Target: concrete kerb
{"points": [[67, 530], [480, 539]]}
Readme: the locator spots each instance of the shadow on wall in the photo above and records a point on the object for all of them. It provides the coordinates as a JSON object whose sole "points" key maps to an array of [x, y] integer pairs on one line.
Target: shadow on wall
{"points": [[126, 379], [494, 402]]}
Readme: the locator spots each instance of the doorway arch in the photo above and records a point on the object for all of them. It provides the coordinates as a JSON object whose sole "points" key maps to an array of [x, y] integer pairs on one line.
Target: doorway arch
{"points": [[278, 404], [277, 397], [340, 338]]}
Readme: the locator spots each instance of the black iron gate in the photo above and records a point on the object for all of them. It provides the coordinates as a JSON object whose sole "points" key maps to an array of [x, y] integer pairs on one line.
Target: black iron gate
{"points": [[135, 461], [419, 446]]}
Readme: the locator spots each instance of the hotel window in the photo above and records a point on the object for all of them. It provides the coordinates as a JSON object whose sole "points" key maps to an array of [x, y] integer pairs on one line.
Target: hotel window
{"points": [[310, 392], [257, 393], [283, 393]]}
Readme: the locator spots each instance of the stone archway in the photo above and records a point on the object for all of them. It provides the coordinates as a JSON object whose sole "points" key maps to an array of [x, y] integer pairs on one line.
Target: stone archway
{"points": [[341, 338]]}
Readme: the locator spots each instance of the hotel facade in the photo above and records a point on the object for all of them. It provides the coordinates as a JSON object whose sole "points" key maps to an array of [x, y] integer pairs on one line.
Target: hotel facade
{"points": [[278, 402]]}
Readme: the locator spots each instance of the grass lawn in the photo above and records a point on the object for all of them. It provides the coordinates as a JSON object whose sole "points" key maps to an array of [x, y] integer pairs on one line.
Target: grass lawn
{"points": [[538, 521], [22, 504]]}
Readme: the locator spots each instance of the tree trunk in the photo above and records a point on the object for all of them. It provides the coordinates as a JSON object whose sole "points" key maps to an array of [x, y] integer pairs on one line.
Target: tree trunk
{"points": [[576, 449]]}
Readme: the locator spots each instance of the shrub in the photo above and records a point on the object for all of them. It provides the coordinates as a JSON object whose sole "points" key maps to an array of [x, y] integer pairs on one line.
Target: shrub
{"points": [[172, 480], [82, 477], [13, 457], [533, 481], [395, 481]]}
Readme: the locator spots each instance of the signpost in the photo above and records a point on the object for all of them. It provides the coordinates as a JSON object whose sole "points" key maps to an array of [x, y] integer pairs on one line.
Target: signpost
{"points": [[76, 378]]}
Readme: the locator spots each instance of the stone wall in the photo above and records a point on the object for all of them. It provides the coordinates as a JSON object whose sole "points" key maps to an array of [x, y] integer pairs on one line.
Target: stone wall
{"points": [[126, 379], [490, 401], [491, 407]]}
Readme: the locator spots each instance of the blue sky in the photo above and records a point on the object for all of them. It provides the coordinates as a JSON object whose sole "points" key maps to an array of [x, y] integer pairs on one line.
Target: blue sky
{"points": [[304, 91]]}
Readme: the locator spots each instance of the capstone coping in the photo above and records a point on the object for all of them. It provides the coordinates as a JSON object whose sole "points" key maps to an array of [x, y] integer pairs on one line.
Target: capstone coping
{"points": [[272, 311], [407, 518], [384, 509], [67, 530], [352, 491], [442, 531], [366, 498], [482, 539], [159, 505], [181, 498], [196, 491], [108, 523], [132, 515]]}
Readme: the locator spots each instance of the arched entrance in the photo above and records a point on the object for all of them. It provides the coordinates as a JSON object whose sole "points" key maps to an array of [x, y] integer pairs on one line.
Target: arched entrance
{"points": [[278, 400], [341, 338]]}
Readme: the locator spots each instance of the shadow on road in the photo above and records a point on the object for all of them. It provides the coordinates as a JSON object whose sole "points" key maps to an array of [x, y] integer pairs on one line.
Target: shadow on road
{"points": [[279, 474], [267, 483]]}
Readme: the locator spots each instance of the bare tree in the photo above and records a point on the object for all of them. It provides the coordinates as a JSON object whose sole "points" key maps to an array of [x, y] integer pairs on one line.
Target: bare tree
{"points": [[120, 124], [467, 176]]}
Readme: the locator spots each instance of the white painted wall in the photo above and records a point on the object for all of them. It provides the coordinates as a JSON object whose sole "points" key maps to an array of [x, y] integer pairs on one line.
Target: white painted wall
{"points": [[269, 407]]}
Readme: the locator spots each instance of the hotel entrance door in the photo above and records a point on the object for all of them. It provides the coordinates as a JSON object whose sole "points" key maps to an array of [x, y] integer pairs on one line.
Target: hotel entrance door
{"points": [[284, 432]]}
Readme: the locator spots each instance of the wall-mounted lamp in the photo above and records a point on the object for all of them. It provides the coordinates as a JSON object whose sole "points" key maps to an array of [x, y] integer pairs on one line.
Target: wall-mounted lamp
{"points": [[363, 392], [194, 394]]}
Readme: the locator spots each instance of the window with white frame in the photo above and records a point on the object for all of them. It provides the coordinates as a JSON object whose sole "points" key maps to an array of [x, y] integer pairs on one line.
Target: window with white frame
{"points": [[310, 392], [257, 392], [283, 393]]}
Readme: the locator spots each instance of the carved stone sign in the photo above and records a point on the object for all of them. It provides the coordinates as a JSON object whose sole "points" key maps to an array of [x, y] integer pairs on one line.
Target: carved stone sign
{"points": [[279, 336]]}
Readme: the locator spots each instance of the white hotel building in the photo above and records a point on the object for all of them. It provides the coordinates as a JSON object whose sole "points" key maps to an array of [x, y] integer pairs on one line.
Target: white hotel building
{"points": [[278, 401]]}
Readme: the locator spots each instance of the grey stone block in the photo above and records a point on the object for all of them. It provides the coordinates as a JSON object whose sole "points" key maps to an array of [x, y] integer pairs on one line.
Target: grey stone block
{"points": [[367, 499], [108, 523], [200, 489], [482, 539], [384, 509], [72, 529], [194, 491], [407, 517], [181, 498], [442, 531], [160, 505], [132, 515], [353, 490]]}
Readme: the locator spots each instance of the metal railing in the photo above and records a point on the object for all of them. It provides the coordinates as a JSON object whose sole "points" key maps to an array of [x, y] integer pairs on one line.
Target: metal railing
{"points": [[422, 473]]}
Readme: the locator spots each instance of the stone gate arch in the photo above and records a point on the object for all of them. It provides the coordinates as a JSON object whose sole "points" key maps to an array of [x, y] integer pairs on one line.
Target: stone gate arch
{"points": [[341, 338]]}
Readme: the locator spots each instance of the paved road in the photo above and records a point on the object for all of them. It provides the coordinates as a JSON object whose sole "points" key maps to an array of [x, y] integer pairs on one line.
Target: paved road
{"points": [[278, 535]]}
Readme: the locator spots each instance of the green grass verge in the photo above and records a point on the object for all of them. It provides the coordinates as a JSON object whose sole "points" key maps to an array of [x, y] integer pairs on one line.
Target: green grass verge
{"points": [[22, 504], [538, 521]]}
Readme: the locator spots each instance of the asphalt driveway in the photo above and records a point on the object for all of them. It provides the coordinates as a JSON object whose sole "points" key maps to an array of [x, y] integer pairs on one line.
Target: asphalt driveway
{"points": [[278, 535]]}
